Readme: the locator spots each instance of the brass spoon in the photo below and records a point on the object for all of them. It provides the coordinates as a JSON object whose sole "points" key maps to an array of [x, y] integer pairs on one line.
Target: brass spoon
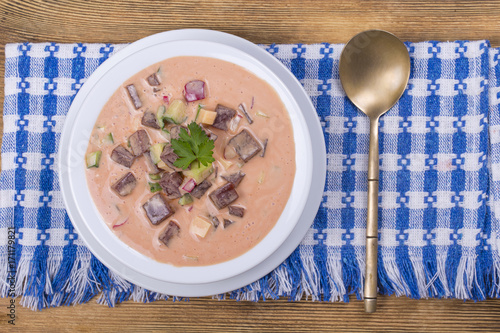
{"points": [[374, 70]]}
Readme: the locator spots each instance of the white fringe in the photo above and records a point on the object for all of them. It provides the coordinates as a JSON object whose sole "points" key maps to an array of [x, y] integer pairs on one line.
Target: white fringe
{"points": [[337, 288], [310, 279], [466, 268], [392, 270], [418, 270], [282, 283], [441, 256]]}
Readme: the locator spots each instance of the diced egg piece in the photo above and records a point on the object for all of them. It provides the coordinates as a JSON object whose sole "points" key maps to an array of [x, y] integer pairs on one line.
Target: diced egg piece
{"points": [[225, 163], [206, 117], [199, 226]]}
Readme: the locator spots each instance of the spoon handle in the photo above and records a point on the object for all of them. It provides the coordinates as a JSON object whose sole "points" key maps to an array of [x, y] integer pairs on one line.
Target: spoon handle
{"points": [[370, 291]]}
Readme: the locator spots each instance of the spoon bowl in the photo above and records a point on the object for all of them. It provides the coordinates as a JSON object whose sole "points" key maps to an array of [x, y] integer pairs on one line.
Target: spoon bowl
{"points": [[374, 70]]}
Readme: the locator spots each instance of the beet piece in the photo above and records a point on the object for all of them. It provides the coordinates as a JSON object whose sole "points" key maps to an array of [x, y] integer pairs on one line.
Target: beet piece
{"points": [[171, 230], [157, 209], [122, 156], [139, 142], [234, 178], [125, 185], [134, 97], [215, 221], [224, 195], [169, 157], [224, 114], [153, 80], [200, 189], [170, 183], [149, 119], [236, 211], [151, 166], [245, 145], [227, 223]]}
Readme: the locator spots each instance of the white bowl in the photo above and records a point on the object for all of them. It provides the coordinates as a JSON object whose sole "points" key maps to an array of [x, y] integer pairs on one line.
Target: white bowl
{"points": [[138, 268]]}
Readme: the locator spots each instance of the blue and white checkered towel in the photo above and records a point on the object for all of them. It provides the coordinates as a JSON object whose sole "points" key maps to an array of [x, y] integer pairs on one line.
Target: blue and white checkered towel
{"points": [[439, 208]]}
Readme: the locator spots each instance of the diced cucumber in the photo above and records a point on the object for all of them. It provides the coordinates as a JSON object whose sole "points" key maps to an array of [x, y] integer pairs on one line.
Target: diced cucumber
{"points": [[199, 172], [176, 112], [186, 199], [155, 151], [154, 176], [109, 139], [159, 115], [93, 159], [154, 187]]}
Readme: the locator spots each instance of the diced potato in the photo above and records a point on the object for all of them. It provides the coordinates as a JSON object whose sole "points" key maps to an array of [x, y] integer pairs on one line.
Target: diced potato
{"points": [[199, 226], [162, 165], [206, 117]]}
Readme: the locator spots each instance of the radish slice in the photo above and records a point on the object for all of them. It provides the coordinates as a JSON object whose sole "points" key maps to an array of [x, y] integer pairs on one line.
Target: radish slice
{"points": [[190, 208], [189, 185], [194, 90], [166, 99], [120, 224]]}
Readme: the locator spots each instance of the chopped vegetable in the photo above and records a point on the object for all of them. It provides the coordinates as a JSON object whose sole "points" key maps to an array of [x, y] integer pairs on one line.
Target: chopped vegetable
{"points": [[198, 111], [171, 230], [261, 114], [134, 97], [166, 99], [120, 224], [154, 187], [262, 175], [160, 112], [157, 209], [233, 124], [225, 164], [176, 112], [193, 258], [251, 105], [241, 107], [194, 90], [156, 151], [108, 139], [125, 185], [195, 146], [190, 185], [199, 226], [162, 165], [206, 117], [229, 153], [93, 159], [199, 172], [154, 176], [186, 199]]}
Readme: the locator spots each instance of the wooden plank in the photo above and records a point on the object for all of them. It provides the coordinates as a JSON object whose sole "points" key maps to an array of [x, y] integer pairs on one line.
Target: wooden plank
{"points": [[260, 21]]}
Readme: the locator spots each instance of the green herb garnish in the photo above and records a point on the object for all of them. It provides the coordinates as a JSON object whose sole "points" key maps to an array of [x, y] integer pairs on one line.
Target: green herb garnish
{"points": [[195, 146], [198, 112], [154, 187]]}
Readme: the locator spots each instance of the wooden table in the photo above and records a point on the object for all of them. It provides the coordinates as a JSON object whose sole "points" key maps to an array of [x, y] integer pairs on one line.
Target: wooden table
{"points": [[260, 21]]}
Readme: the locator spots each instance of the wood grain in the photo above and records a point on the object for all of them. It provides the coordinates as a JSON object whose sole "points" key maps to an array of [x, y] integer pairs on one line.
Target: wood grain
{"points": [[260, 21]]}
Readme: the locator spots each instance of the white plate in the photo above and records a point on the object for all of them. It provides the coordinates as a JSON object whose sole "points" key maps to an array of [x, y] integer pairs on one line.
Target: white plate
{"points": [[192, 281]]}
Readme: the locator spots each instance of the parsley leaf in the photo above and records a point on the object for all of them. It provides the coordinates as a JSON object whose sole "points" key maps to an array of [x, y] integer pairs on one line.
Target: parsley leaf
{"points": [[195, 146]]}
